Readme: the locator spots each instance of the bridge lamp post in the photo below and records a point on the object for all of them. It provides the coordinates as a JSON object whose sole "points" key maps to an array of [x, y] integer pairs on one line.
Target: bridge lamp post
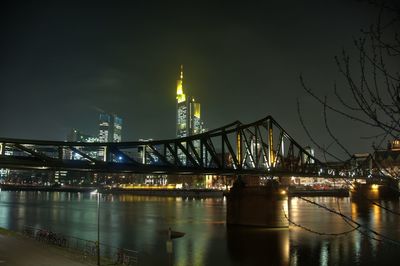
{"points": [[98, 225], [98, 228]]}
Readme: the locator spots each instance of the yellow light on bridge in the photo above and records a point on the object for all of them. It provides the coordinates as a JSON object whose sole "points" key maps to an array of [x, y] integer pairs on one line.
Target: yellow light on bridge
{"points": [[283, 192], [374, 187]]}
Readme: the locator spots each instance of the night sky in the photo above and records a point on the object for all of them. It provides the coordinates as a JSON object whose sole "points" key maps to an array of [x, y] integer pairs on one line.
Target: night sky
{"points": [[63, 61]]}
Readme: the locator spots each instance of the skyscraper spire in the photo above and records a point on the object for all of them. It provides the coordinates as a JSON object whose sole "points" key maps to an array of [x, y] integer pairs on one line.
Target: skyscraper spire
{"points": [[180, 96], [181, 72]]}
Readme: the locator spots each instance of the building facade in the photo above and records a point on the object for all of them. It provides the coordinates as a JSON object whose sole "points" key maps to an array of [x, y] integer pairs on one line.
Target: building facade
{"points": [[117, 129], [104, 127], [110, 128], [77, 136], [188, 112], [388, 161]]}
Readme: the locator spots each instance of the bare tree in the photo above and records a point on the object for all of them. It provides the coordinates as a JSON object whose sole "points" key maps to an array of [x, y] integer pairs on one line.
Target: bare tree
{"points": [[372, 80]]}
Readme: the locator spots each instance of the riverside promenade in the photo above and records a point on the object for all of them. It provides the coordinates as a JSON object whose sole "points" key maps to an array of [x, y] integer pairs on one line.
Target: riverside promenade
{"points": [[17, 250]]}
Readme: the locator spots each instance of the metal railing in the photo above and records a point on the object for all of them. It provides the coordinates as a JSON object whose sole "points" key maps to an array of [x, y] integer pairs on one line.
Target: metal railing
{"points": [[88, 248]]}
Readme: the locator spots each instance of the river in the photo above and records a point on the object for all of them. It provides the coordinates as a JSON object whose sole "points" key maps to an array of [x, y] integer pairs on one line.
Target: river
{"points": [[140, 223]]}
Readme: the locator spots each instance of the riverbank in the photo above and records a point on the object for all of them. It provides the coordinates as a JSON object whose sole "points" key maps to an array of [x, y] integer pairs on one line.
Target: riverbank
{"points": [[18, 250]]}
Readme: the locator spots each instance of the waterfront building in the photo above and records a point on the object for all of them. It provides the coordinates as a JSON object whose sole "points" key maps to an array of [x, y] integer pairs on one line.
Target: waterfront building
{"points": [[5, 150], [4, 172], [388, 161]]}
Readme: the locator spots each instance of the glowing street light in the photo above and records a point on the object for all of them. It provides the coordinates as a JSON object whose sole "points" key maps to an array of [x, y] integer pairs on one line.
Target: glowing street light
{"points": [[98, 224]]}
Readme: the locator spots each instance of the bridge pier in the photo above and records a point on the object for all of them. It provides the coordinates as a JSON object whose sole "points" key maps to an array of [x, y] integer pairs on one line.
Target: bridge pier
{"points": [[262, 206], [388, 189]]}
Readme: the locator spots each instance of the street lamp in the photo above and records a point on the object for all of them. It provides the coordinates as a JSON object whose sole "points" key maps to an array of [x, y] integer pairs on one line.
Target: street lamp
{"points": [[98, 225]]}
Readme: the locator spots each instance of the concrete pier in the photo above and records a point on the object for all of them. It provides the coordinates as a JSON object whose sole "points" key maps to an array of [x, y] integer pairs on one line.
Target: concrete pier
{"points": [[374, 191], [262, 206]]}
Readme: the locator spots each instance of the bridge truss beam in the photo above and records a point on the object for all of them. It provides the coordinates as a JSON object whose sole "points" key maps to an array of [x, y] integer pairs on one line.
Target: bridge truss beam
{"points": [[261, 148]]}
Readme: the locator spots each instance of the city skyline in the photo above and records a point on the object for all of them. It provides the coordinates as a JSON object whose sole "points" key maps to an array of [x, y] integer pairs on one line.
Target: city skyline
{"points": [[199, 132], [109, 130], [188, 119], [243, 63]]}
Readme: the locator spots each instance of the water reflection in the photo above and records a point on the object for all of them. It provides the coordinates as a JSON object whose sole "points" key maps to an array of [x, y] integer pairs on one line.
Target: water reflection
{"points": [[140, 223], [255, 246]]}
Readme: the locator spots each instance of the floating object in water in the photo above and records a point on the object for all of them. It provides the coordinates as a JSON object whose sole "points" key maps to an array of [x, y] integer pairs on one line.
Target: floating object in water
{"points": [[174, 234]]}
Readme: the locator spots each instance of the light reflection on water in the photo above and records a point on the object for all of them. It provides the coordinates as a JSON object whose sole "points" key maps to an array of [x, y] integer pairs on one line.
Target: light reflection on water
{"points": [[140, 223]]}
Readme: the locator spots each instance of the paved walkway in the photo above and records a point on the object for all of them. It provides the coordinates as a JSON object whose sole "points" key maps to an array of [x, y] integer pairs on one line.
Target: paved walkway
{"points": [[16, 250]]}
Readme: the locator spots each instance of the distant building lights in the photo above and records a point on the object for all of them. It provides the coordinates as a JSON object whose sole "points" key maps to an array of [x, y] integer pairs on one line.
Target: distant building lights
{"points": [[374, 187]]}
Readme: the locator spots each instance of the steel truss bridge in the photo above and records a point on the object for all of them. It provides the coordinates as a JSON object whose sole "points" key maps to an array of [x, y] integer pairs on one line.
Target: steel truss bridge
{"points": [[262, 148]]}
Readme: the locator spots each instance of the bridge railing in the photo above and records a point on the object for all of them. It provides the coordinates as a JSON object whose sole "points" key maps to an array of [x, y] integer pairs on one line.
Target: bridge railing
{"points": [[88, 248]]}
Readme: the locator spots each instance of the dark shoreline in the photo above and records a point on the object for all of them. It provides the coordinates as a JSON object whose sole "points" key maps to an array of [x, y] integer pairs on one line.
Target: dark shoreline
{"points": [[320, 193], [169, 192], [141, 192], [6, 187]]}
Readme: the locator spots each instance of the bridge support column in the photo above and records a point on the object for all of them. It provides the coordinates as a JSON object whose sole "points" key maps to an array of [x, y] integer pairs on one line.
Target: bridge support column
{"points": [[374, 191], [263, 206]]}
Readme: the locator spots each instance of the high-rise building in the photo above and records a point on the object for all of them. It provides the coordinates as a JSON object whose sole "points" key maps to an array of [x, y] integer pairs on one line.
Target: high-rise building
{"points": [[110, 128], [77, 136], [117, 129], [104, 127], [188, 120]]}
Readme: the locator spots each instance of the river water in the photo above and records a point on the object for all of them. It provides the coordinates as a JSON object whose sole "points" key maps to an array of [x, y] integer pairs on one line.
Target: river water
{"points": [[140, 223]]}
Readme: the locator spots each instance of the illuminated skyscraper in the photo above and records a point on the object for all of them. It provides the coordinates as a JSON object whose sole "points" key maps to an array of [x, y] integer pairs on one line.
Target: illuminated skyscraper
{"points": [[104, 127], [110, 128], [117, 128], [188, 120]]}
